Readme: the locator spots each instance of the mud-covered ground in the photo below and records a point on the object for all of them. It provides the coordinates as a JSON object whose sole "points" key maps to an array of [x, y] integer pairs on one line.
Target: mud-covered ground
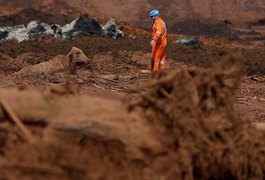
{"points": [[116, 64], [113, 70]]}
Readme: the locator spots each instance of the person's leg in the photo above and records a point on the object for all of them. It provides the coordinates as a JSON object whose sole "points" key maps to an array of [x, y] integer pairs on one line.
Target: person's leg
{"points": [[163, 58], [158, 57], [155, 58]]}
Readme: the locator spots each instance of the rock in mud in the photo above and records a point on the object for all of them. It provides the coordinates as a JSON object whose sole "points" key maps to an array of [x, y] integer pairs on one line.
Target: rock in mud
{"points": [[81, 26], [35, 28], [187, 41], [3, 34], [112, 30]]}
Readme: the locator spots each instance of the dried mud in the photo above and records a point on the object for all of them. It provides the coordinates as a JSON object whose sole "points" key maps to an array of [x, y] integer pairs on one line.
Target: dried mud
{"points": [[187, 122], [193, 108], [182, 125]]}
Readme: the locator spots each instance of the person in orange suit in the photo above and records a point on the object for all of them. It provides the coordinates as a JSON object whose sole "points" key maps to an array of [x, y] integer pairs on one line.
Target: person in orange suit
{"points": [[159, 41]]}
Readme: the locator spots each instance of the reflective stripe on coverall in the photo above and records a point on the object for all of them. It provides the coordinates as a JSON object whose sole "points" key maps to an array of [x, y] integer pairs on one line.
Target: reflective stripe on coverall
{"points": [[159, 37]]}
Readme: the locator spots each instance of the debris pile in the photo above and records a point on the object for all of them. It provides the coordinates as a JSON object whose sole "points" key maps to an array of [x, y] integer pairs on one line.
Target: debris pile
{"points": [[80, 26], [111, 30]]}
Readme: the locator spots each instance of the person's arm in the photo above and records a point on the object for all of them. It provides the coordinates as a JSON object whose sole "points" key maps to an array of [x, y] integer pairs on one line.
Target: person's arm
{"points": [[159, 31]]}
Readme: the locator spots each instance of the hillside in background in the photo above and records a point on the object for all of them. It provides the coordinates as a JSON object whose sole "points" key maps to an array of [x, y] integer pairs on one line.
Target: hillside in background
{"points": [[51, 6], [135, 12]]}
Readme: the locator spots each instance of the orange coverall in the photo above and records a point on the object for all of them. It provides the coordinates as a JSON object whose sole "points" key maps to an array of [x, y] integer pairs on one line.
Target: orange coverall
{"points": [[159, 37]]}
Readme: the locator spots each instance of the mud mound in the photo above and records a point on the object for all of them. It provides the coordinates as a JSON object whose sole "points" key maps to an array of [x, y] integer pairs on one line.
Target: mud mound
{"points": [[196, 27], [5, 61], [26, 59], [192, 110], [5, 58]]}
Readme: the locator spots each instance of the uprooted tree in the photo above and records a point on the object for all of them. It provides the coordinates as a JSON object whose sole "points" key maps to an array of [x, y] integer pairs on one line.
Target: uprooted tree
{"points": [[182, 126]]}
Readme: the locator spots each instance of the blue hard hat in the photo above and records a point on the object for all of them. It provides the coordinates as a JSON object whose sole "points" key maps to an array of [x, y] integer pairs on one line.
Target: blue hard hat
{"points": [[154, 13]]}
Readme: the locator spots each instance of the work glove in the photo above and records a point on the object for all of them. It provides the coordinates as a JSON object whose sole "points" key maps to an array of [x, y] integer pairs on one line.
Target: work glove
{"points": [[152, 43]]}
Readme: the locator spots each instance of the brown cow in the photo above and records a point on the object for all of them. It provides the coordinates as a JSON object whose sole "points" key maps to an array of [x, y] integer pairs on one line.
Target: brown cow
{"points": [[57, 64]]}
